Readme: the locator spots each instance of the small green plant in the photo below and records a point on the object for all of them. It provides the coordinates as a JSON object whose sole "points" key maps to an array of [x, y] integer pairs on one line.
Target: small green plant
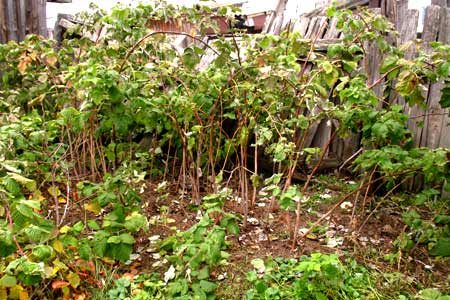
{"points": [[318, 276], [121, 289], [434, 234], [431, 294]]}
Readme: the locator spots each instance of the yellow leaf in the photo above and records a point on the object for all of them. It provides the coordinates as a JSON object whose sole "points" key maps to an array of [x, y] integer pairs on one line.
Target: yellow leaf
{"points": [[37, 195], [18, 292], [33, 55], [3, 294], [51, 60], [65, 229], [66, 293], [49, 271], [311, 237], [73, 279], [93, 207], [23, 64], [59, 265], [170, 221], [62, 200], [58, 246], [54, 191], [23, 295]]}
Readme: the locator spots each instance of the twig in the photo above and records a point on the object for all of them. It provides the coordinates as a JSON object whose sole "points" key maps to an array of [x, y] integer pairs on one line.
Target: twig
{"points": [[379, 80], [430, 114], [161, 32], [67, 201], [379, 203], [345, 197], [305, 187], [11, 225], [367, 190], [350, 158], [352, 220]]}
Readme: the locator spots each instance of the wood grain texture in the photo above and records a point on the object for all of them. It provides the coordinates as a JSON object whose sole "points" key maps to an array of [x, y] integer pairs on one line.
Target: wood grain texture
{"points": [[407, 29], [438, 131], [429, 35], [19, 18], [3, 35], [302, 25]]}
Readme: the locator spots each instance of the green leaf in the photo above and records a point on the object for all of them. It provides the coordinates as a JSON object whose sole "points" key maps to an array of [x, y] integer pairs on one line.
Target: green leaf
{"points": [[114, 240], [349, 66], [442, 219], [38, 233], [445, 98], [388, 63], [442, 248], [190, 58], [331, 11], [73, 279], [8, 281], [429, 294], [93, 225], [126, 238], [99, 243], [208, 286], [233, 228], [327, 67], [28, 183], [120, 252], [258, 264], [42, 252], [135, 222], [264, 43], [78, 227], [203, 273], [251, 276], [84, 249], [7, 245]]}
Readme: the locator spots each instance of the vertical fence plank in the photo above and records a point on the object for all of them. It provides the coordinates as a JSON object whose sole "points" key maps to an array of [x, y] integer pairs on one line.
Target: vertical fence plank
{"points": [[332, 32], [42, 18], [407, 29], [302, 25], [371, 63], [2, 22], [11, 20], [438, 134], [21, 17], [430, 34]]}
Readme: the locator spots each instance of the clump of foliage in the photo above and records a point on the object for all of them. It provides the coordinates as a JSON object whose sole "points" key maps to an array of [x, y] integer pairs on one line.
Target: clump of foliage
{"points": [[435, 233], [318, 276]]}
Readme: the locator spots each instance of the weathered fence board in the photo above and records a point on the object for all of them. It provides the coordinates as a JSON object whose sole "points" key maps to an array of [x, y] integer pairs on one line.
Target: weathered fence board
{"points": [[429, 35], [21, 17], [437, 118]]}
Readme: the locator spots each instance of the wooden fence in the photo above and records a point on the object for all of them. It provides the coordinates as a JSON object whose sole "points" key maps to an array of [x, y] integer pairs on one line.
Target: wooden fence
{"points": [[435, 131], [21, 17]]}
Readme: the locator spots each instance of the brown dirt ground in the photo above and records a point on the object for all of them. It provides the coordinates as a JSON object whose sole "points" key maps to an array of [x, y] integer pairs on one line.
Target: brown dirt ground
{"points": [[271, 237]]}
